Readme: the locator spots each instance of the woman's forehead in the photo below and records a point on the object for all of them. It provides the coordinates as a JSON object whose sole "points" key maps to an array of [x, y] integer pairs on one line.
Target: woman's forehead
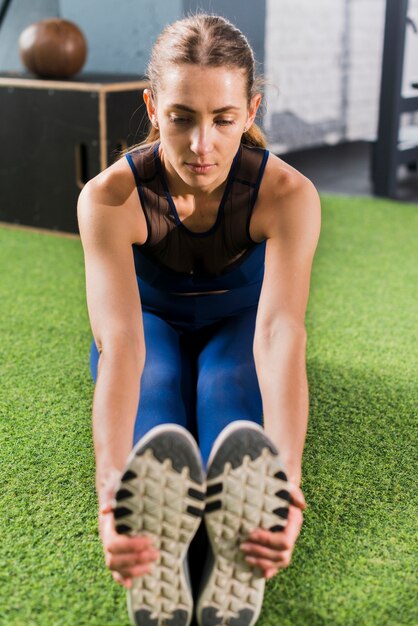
{"points": [[187, 84]]}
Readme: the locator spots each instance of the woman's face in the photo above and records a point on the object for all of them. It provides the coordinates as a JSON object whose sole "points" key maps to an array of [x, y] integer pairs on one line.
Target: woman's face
{"points": [[201, 114]]}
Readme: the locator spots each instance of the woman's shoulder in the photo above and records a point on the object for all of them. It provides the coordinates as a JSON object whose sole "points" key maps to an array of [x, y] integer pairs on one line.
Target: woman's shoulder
{"points": [[286, 199], [111, 197], [114, 184], [281, 180]]}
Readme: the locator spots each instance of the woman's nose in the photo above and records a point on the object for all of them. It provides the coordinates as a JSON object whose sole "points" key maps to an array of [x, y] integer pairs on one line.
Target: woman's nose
{"points": [[201, 140]]}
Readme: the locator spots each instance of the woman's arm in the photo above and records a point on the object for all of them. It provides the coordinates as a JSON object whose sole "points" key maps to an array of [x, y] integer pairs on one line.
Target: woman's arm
{"points": [[108, 227], [293, 227], [116, 320], [284, 388], [280, 335]]}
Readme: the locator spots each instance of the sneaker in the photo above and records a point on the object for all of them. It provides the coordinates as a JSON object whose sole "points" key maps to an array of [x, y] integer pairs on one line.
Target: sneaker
{"points": [[246, 489], [161, 495]]}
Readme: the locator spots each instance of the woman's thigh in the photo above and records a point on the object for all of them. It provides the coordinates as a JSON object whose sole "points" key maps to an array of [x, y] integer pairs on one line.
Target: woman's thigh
{"points": [[166, 387], [227, 384]]}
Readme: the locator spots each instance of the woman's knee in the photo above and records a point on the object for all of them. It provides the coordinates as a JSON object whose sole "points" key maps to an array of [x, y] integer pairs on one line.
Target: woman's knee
{"points": [[162, 376], [227, 382]]}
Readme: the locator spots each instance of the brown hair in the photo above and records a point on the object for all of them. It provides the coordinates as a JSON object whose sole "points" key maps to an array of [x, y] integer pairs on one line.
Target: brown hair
{"points": [[207, 41]]}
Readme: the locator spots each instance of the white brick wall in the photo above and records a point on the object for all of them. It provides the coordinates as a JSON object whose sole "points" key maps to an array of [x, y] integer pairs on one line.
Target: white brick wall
{"points": [[323, 67], [411, 48]]}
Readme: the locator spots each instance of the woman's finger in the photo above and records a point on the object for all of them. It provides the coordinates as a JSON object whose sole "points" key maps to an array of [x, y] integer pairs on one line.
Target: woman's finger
{"points": [[126, 582], [259, 551], [273, 540], [118, 543], [284, 539], [269, 573], [297, 497], [122, 544], [134, 572], [267, 565], [123, 561], [294, 525]]}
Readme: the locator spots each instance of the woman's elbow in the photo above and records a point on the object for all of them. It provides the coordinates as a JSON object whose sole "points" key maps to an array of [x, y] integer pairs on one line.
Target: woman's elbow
{"points": [[123, 345], [282, 332]]}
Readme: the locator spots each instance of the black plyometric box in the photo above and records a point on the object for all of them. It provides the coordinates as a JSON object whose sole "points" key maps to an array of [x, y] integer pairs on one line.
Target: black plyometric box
{"points": [[55, 135]]}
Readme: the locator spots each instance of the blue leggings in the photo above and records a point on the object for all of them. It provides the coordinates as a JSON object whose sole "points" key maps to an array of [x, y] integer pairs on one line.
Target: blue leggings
{"points": [[199, 372], [201, 379]]}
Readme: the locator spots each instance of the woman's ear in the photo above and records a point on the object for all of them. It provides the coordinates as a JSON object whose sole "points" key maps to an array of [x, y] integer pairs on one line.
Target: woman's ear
{"points": [[253, 108], [151, 108]]}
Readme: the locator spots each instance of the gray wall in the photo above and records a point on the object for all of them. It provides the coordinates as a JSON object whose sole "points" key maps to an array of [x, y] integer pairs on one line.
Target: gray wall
{"points": [[120, 34], [20, 14], [248, 15]]}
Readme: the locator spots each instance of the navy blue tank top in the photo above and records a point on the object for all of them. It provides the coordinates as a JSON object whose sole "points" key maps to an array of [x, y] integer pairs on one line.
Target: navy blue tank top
{"points": [[175, 259]]}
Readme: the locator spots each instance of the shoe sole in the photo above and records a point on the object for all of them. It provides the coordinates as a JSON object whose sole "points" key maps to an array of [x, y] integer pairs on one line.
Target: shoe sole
{"points": [[246, 489], [161, 495]]}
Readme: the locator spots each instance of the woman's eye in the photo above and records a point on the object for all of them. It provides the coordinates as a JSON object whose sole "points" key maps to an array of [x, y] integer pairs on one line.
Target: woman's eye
{"points": [[179, 120], [175, 119]]}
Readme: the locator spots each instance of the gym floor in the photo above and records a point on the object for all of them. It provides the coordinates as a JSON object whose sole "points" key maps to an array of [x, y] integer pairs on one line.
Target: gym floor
{"points": [[344, 169]]}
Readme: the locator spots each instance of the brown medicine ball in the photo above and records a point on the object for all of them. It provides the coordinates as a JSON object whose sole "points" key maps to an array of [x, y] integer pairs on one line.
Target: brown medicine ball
{"points": [[53, 48]]}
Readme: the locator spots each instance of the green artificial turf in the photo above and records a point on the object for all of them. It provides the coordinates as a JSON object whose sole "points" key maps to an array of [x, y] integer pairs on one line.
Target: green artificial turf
{"points": [[353, 564]]}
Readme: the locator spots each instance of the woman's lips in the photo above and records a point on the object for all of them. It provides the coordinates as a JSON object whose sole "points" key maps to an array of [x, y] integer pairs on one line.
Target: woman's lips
{"points": [[199, 168]]}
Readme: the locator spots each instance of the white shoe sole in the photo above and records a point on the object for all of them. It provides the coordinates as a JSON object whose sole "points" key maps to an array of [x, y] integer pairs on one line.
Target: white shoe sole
{"points": [[246, 489], [161, 495]]}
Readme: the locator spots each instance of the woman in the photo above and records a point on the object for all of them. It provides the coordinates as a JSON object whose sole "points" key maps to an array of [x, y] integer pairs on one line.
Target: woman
{"points": [[198, 251]]}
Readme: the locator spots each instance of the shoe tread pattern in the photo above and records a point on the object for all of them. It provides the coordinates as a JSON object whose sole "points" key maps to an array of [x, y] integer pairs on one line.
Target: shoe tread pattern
{"points": [[166, 503], [254, 494]]}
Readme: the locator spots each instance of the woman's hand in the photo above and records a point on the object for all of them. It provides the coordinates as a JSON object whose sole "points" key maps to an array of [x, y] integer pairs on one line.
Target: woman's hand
{"points": [[273, 551], [126, 557]]}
